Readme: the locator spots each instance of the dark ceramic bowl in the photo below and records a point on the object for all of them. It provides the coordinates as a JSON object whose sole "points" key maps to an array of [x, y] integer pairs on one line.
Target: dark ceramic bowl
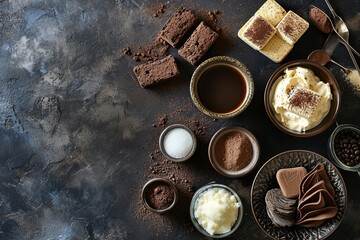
{"points": [[154, 182], [215, 162], [331, 148], [266, 180], [221, 61], [325, 75]]}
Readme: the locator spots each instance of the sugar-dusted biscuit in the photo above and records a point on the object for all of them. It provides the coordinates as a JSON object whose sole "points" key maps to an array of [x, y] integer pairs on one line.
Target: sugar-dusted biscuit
{"points": [[276, 49], [272, 12], [257, 32], [292, 27]]}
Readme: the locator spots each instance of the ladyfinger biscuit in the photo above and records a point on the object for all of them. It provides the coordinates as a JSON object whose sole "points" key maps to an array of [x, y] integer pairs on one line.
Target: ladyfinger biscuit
{"points": [[276, 49], [258, 32], [292, 27], [272, 12]]}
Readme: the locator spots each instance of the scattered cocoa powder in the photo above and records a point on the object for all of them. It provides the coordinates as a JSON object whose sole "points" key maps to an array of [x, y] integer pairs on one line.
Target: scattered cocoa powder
{"points": [[182, 175], [212, 19], [127, 51], [148, 53], [155, 9], [159, 10], [234, 151], [159, 195], [160, 121]]}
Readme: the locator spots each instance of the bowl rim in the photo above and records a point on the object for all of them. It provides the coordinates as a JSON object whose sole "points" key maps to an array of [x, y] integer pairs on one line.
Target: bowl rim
{"points": [[215, 61], [162, 137], [292, 151], [163, 180], [326, 122], [331, 150], [205, 188], [244, 171]]}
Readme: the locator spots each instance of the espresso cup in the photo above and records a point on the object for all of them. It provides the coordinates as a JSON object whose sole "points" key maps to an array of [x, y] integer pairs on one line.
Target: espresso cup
{"points": [[221, 87]]}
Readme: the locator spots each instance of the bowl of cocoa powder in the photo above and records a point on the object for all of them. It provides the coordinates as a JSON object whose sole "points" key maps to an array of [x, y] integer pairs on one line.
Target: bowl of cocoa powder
{"points": [[159, 195], [233, 151]]}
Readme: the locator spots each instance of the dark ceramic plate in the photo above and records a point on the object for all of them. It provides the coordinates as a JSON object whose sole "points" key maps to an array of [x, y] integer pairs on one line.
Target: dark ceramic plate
{"points": [[265, 180]]}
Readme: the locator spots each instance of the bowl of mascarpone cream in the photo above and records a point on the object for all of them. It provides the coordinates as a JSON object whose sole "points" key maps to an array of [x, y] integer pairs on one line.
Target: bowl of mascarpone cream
{"points": [[302, 98], [216, 210]]}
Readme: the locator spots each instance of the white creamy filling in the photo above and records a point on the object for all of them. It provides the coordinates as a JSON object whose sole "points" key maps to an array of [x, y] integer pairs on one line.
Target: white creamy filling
{"points": [[301, 77], [216, 210]]}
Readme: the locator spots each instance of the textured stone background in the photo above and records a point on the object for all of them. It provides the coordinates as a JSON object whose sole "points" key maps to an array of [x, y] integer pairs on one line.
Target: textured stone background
{"points": [[76, 129]]}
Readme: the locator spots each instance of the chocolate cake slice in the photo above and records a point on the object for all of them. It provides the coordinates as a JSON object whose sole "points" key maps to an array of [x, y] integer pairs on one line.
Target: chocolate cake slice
{"points": [[198, 43], [148, 74], [177, 26]]}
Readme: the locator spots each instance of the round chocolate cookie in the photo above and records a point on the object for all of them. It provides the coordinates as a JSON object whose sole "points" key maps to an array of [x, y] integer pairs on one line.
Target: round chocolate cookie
{"points": [[280, 209]]}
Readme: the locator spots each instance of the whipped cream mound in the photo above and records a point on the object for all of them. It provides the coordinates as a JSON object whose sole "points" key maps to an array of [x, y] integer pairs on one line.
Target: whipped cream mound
{"points": [[300, 99]]}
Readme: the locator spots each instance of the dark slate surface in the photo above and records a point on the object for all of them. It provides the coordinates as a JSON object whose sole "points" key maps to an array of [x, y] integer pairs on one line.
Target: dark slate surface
{"points": [[76, 128]]}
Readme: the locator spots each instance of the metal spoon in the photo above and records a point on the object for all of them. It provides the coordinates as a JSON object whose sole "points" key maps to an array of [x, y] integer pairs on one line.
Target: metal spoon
{"points": [[343, 30], [340, 25], [342, 40], [322, 57]]}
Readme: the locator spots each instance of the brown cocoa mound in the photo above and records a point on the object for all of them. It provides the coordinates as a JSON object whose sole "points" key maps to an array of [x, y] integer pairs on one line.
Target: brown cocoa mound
{"points": [[234, 151], [159, 195]]}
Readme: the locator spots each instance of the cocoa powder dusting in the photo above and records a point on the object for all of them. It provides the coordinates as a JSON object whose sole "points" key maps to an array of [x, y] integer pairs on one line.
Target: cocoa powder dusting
{"points": [[183, 175], [148, 53], [234, 151], [160, 121], [212, 19], [159, 196]]}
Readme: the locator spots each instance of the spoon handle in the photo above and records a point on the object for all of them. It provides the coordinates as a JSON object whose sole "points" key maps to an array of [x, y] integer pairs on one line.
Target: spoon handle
{"points": [[353, 58], [331, 8], [347, 45]]}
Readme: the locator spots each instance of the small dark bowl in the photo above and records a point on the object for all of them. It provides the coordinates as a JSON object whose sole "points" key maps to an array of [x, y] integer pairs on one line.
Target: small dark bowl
{"points": [[157, 181], [162, 137], [212, 156], [326, 76]]}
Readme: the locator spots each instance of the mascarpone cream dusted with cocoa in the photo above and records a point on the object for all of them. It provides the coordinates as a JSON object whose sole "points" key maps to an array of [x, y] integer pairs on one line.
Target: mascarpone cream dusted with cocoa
{"points": [[300, 99]]}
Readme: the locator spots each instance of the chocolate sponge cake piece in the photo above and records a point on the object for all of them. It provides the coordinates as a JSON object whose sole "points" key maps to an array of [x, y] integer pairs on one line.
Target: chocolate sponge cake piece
{"points": [[148, 74], [177, 26], [198, 44]]}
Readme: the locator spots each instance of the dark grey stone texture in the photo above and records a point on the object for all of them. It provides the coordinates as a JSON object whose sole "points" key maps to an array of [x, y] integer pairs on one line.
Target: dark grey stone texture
{"points": [[76, 129]]}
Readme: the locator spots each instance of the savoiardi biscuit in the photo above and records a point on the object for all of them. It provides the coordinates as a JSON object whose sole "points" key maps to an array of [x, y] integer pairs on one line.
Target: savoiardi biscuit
{"points": [[272, 12], [257, 32], [276, 49], [292, 27]]}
